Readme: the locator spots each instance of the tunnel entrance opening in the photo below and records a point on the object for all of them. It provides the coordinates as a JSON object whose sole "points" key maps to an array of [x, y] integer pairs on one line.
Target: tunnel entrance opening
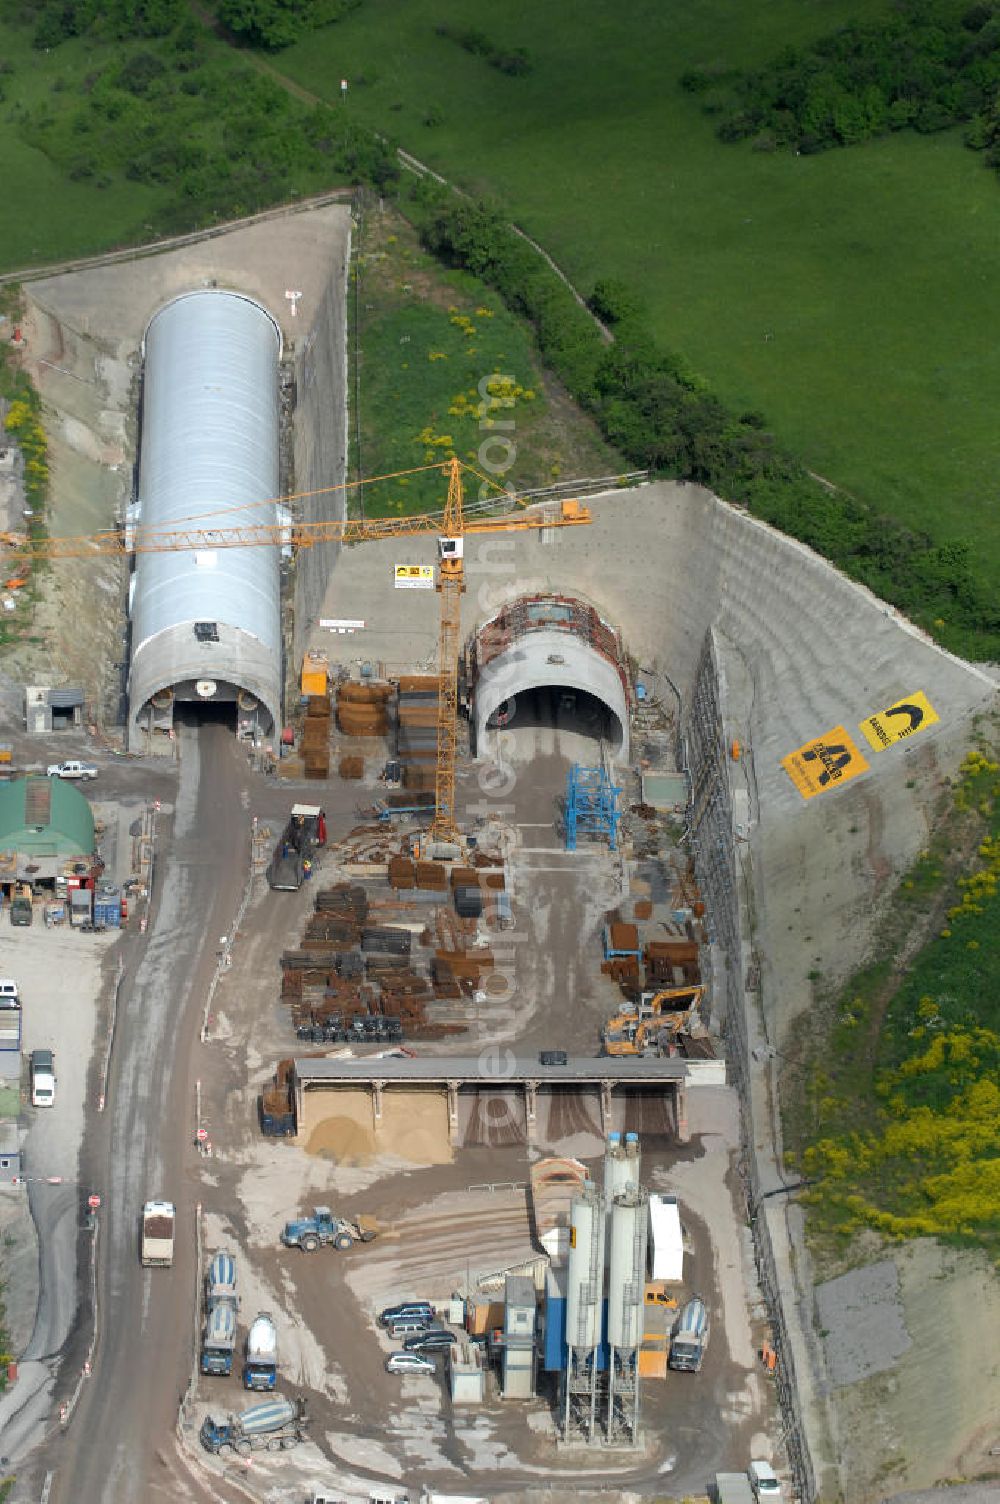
{"points": [[195, 713], [560, 709], [550, 664]]}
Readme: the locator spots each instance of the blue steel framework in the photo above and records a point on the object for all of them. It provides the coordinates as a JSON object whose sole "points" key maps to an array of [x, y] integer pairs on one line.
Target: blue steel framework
{"points": [[591, 806]]}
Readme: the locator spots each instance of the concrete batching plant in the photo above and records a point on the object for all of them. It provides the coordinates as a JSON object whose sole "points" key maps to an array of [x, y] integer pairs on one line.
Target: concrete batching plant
{"points": [[604, 1300], [584, 1311]]}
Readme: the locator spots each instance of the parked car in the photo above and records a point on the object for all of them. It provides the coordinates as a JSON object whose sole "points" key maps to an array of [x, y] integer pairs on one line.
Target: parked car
{"points": [[436, 1339], [409, 1326], [409, 1363], [43, 1078], [71, 769], [405, 1309], [764, 1481]]}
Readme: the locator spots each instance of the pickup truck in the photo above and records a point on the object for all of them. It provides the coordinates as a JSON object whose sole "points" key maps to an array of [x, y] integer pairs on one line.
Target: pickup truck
{"points": [[72, 769]]}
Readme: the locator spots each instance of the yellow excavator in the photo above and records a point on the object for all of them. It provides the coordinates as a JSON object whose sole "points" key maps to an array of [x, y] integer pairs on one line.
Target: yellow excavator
{"points": [[650, 1026]]}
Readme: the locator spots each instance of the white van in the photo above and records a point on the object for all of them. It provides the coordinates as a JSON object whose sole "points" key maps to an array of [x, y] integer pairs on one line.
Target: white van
{"points": [[43, 1078], [764, 1481]]}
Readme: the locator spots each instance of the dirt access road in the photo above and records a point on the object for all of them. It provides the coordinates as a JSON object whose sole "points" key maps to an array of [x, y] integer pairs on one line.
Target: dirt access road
{"points": [[117, 1448]]}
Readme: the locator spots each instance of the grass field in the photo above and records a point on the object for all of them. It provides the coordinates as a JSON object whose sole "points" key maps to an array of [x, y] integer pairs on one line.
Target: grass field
{"points": [[846, 295], [429, 338], [105, 145], [46, 216]]}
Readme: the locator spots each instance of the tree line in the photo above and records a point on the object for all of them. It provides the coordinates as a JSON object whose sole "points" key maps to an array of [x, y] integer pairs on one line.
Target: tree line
{"points": [[661, 416]]}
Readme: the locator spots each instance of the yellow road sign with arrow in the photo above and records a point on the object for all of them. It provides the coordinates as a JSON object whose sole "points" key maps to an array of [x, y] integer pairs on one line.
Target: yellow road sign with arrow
{"points": [[905, 718]]}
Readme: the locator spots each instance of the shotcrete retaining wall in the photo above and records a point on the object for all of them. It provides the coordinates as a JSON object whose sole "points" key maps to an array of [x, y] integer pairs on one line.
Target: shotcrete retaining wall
{"points": [[320, 444]]}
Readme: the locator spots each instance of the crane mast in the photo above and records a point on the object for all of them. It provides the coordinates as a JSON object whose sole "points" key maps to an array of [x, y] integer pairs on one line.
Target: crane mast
{"points": [[451, 586]]}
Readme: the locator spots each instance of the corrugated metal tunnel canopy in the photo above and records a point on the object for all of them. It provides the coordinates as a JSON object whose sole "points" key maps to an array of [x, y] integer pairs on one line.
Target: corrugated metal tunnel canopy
{"points": [[209, 450], [551, 658]]}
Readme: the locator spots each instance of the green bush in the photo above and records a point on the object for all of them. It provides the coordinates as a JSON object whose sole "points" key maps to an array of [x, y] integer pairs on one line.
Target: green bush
{"points": [[510, 60], [273, 24], [925, 64], [115, 19]]}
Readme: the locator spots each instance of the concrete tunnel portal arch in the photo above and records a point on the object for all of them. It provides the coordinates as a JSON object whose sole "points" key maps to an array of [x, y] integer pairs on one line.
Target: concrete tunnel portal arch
{"points": [[206, 622], [549, 643]]}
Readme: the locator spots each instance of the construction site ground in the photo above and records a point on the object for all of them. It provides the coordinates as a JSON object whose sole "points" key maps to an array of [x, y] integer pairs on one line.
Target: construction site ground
{"points": [[438, 1236], [667, 564]]}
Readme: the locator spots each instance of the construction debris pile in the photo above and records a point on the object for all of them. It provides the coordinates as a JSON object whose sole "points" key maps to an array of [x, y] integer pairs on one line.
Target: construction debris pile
{"points": [[655, 959]]}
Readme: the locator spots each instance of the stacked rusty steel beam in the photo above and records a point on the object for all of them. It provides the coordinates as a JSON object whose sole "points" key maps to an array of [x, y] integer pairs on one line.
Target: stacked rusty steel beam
{"points": [[416, 730], [363, 709], [315, 743], [357, 981], [671, 963]]}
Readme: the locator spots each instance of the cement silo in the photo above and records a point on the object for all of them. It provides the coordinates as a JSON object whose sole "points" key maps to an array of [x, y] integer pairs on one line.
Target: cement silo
{"points": [[629, 1219], [584, 1310], [622, 1162], [206, 620]]}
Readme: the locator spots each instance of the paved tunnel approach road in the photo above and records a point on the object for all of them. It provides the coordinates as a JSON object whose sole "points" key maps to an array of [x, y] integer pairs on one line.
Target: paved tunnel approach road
{"points": [[119, 1445]]}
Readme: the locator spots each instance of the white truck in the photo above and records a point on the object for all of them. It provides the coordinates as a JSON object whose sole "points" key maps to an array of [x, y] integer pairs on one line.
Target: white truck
{"points": [[260, 1370], [733, 1488], [156, 1245]]}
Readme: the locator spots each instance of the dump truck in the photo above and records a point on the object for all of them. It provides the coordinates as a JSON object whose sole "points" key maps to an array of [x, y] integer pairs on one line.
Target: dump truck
{"points": [[260, 1367], [271, 1426], [21, 911], [303, 834], [659, 1315], [222, 1302], [323, 1228], [733, 1488], [690, 1337], [157, 1237]]}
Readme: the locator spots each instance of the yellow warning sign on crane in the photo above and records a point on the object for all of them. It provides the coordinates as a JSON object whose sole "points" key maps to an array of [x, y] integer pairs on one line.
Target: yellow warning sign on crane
{"points": [[414, 576], [903, 719], [824, 763]]}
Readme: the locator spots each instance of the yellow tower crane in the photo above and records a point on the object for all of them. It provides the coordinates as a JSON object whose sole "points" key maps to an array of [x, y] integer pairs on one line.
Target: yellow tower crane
{"points": [[451, 526]]}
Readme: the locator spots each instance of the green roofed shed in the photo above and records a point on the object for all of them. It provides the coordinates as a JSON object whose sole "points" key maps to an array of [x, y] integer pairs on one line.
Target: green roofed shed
{"points": [[45, 818]]}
